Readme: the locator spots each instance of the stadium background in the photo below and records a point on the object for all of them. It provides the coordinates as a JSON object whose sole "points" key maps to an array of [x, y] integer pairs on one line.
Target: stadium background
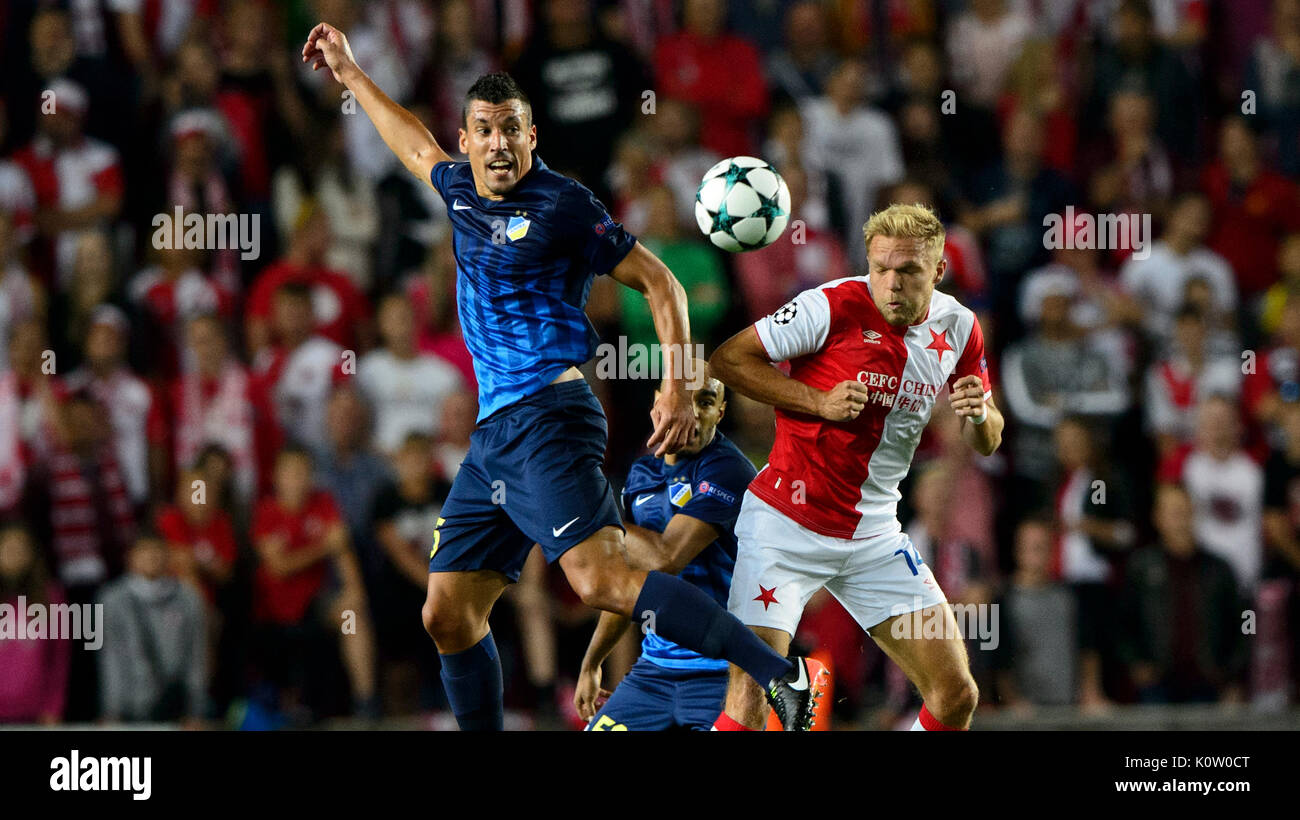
{"points": [[128, 372]]}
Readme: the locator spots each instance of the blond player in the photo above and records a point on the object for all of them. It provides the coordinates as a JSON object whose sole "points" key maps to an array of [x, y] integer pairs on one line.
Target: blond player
{"points": [[868, 359]]}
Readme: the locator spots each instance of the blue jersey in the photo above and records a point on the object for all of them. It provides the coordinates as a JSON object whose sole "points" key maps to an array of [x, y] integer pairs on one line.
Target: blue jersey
{"points": [[708, 486], [524, 267]]}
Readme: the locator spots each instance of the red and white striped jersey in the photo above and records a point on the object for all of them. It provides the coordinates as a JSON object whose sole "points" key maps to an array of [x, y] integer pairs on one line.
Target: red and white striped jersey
{"points": [[841, 478]]}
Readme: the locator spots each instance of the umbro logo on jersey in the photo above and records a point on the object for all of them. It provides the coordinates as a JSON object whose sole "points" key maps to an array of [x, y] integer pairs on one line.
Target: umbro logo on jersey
{"points": [[460, 206], [871, 337]]}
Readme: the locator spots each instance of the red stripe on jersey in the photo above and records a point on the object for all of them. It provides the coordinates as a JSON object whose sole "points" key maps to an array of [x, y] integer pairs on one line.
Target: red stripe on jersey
{"points": [[973, 361]]}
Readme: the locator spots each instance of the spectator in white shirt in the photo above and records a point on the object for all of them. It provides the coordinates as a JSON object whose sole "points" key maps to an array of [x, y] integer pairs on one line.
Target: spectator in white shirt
{"points": [[405, 387], [856, 146], [1176, 383], [1227, 489], [1157, 285], [982, 44]]}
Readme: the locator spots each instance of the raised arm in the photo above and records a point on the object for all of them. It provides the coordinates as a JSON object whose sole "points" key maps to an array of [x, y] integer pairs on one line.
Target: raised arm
{"points": [[673, 414], [403, 132]]}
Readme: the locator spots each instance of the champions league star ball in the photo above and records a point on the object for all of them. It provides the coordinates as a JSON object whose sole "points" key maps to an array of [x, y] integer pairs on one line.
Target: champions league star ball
{"points": [[742, 204]]}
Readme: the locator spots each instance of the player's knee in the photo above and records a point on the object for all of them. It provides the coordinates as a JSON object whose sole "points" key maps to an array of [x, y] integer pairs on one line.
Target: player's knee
{"points": [[445, 624], [595, 589], [602, 579], [955, 700]]}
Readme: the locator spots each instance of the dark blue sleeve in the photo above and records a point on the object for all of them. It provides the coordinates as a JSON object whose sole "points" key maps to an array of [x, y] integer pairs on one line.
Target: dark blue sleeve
{"points": [[584, 224], [440, 176], [718, 489]]}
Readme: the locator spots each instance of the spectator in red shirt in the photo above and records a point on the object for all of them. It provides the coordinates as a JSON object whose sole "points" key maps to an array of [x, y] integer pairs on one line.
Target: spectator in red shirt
{"points": [[168, 294], [342, 314], [200, 536], [433, 297], [309, 579], [293, 379], [257, 95], [719, 73], [211, 401], [1253, 208]]}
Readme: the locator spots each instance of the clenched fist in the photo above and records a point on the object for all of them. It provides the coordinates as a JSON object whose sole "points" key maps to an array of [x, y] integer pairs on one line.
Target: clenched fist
{"points": [[844, 401], [967, 397]]}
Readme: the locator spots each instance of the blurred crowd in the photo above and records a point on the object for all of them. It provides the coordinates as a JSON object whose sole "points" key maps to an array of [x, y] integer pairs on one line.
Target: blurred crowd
{"points": [[243, 455]]}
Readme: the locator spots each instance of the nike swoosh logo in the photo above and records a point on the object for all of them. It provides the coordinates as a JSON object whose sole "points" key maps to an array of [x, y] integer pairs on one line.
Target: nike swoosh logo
{"points": [[557, 532], [641, 500], [802, 683], [457, 206]]}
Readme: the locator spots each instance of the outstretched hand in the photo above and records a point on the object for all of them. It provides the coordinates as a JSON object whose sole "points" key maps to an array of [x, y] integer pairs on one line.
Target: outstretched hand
{"points": [[328, 47]]}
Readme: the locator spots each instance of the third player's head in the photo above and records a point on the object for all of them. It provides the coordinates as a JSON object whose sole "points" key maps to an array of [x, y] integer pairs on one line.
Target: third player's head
{"points": [[498, 134], [905, 261], [710, 407]]}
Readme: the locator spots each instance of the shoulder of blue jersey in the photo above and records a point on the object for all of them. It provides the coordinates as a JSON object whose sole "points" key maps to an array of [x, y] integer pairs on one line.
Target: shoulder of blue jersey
{"points": [[723, 472], [643, 472]]}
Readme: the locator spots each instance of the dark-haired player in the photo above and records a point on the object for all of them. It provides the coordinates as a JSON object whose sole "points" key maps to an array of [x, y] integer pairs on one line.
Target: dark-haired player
{"points": [[684, 507], [528, 242]]}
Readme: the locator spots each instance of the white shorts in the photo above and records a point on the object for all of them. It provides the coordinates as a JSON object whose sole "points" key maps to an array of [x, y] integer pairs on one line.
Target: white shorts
{"points": [[780, 564]]}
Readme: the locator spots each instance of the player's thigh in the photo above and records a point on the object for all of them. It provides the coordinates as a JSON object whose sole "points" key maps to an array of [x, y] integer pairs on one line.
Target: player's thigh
{"points": [[893, 595], [642, 702], [474, 532], [779, 566], [547, 460], [935, 659]]}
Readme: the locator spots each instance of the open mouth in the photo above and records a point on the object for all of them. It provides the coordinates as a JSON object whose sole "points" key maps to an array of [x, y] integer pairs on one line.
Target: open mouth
{"points": [[500, 166]]}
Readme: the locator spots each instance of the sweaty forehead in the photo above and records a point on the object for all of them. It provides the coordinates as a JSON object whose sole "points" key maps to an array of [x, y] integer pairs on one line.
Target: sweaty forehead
{"points": [[895, 251], [495, 112]]}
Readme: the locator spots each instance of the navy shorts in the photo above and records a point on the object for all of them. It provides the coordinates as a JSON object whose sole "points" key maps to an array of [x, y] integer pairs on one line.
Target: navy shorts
{"points": [[532, 476], [652, 698]]}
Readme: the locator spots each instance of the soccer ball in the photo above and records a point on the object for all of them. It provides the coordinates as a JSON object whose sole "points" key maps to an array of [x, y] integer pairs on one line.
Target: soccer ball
{"points": [[742, 204]]}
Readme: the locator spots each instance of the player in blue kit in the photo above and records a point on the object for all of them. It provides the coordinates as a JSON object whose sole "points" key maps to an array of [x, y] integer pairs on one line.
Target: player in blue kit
{"points": [[683, 507], [528, 242]]}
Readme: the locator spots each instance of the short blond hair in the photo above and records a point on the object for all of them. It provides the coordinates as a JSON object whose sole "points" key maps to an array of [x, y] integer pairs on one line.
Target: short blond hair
{"points": [[901, 221]]}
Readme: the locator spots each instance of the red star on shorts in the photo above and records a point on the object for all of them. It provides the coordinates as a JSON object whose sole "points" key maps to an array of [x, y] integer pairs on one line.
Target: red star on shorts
{"points": [[767, 596], [938, 342]]}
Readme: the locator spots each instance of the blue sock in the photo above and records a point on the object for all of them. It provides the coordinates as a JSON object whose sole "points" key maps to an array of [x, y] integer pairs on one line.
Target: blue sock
{"points": [[686, 616], [472, 679]]}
